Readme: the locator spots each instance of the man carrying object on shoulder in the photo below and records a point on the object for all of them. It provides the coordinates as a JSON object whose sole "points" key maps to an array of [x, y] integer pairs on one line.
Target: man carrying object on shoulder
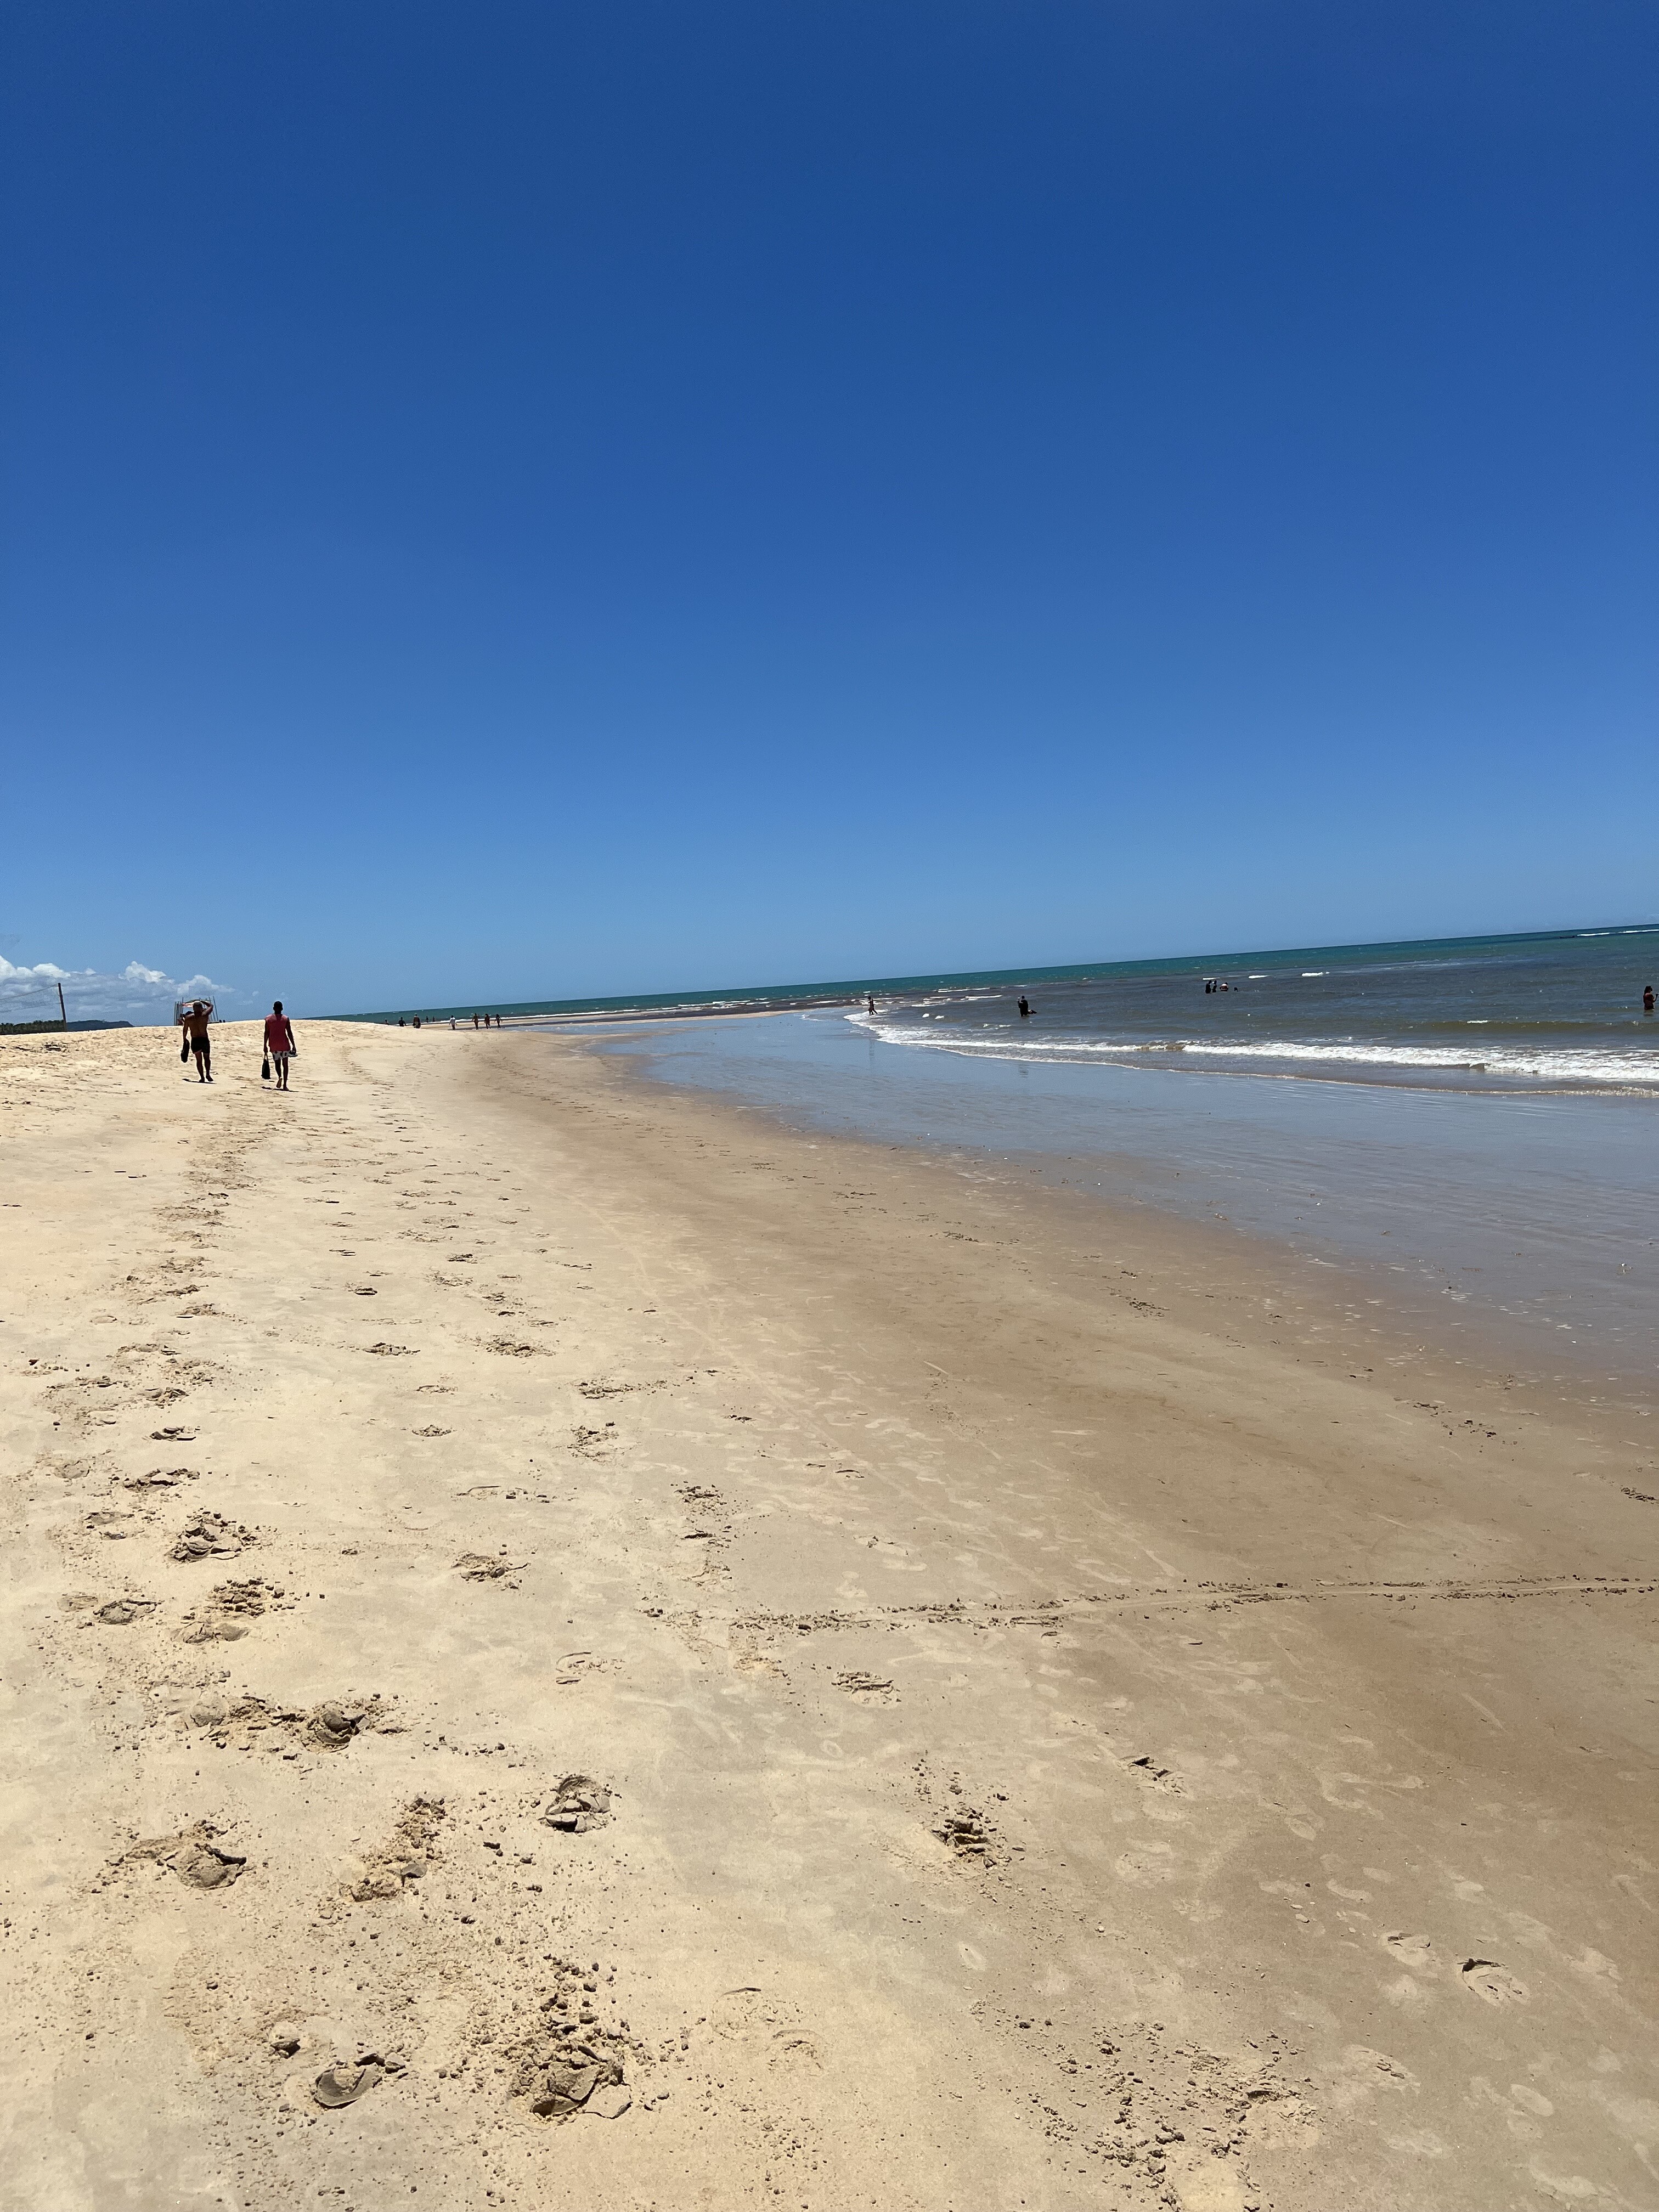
{"points": [[279, 1041], [195, 1019]]}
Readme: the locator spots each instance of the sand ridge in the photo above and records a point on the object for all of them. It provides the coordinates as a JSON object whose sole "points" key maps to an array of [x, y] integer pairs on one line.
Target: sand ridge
{"points": [[563, 1645]]}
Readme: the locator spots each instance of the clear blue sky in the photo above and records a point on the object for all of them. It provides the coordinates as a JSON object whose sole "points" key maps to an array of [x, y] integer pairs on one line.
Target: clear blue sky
{"points": [[507, 501]]}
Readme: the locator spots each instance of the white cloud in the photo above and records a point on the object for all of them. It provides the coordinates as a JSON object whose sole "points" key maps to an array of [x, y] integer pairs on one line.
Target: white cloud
{"points": [[28, 977], [139, 995]]}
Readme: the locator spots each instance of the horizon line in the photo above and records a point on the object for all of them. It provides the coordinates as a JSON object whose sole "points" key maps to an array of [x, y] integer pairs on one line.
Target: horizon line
{"points": [[847, 986]]}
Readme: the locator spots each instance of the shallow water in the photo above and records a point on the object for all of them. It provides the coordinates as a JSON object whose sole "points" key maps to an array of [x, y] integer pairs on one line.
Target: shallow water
{"points": [[1529, 1216]]}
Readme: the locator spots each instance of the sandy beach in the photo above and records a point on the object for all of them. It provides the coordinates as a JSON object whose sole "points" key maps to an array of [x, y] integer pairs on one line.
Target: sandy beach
{"points": [[565, 1645]]}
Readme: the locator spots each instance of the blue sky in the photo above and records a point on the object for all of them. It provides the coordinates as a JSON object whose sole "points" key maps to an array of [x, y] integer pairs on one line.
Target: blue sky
{"points": [[518, 501]]}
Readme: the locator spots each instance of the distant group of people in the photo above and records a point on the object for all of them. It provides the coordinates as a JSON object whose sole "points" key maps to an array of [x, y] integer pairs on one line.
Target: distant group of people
{"points": [[280, 1046], [1213, 983], [413, 1021], [1025, 1007]]}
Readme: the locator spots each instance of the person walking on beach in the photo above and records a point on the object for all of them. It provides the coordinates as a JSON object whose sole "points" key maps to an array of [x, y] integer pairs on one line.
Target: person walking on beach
{"points": [[279, 1041], [195, 1019]]}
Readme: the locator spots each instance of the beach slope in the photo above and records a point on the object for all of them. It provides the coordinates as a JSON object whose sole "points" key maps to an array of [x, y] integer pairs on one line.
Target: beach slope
{"points": [[564, 1645]]}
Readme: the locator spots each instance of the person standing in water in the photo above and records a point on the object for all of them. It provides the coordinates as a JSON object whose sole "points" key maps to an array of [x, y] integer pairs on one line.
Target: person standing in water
{"points": [[1647, 1000], [195, 1019], [279, 1041], [1024, 1011]]}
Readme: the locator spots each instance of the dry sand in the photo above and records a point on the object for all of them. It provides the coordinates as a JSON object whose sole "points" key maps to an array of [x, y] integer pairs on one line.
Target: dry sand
{"points": [[1070, 1716]]}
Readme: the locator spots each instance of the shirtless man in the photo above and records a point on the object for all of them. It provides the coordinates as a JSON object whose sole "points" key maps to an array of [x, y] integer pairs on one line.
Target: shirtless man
{"points": [[279, 1041], [195, 1019]]}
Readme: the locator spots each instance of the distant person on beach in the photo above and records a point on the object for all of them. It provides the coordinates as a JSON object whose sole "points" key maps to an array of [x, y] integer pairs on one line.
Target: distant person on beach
{"points": [[195, 1019], [870, 1006], [279, 1041], [418, 1021], [1024, 1011], [475, 1021], [1647, 1000]]}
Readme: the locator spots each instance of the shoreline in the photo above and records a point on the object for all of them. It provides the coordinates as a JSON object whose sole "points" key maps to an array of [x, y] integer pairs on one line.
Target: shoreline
{"points": [[1077, 1736], [1139, 1059], [1458, 1283]]}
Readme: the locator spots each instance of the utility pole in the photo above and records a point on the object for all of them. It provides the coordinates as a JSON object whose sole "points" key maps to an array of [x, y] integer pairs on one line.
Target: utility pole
{"points": [[63, 1014]]}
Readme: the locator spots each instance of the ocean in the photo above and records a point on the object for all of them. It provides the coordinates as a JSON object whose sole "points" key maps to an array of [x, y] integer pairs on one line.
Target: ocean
{"points": [[1470, 1124], [1561, 1012]]}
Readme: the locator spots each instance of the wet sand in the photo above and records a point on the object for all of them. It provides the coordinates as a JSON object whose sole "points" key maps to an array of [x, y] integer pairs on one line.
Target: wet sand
{"points": [[842, 1680]]}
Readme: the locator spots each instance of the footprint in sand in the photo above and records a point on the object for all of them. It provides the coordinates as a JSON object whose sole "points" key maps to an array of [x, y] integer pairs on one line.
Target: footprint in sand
{"points": [[110, 1613], [114, 1526], [210, 1536], [230, 1607], [969, 1834], [405, 1855], [161, 1478], [193, 1856], [251, 1722], [479, 1567], [332, 1725], [771, 2026], [1151, 1776], [575, 2079], [122, 1612], [343, 2082], [578, 1804], [208, 1868], [868, 1689], [1413, 1951], [1494, 1983]]}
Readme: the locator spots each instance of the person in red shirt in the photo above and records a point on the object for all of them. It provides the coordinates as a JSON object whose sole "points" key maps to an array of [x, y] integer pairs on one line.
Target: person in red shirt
{"points": [[279, 1041]]}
